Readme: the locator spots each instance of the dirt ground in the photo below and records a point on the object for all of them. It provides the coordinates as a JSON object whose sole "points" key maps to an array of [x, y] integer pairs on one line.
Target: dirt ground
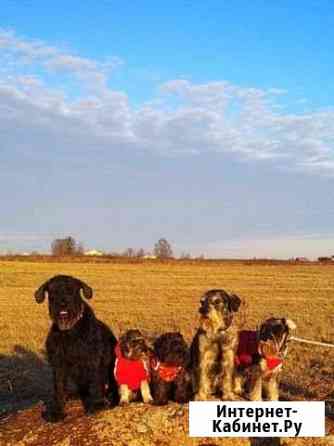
{"points": [[136, 425]]}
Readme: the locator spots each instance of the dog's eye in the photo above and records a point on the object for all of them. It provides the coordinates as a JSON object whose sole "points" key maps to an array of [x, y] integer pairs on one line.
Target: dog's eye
{"points": [[216, 301]]}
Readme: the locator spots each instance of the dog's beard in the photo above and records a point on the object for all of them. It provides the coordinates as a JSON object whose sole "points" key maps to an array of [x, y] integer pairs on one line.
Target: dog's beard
{"points": [[268, 348], [66, 320], [176, 359], [216, 319], [274, 346], [135, 354]]}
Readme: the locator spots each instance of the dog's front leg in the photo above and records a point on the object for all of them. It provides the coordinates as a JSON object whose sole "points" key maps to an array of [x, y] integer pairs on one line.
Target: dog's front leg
{"points": [[272, 388], [146, 392], [183, 388], [208, 357], [228, 370], [238, 383], [95, 400], [255, 392], [57, 412], [160, 389], [112, 388], [125, 394]]}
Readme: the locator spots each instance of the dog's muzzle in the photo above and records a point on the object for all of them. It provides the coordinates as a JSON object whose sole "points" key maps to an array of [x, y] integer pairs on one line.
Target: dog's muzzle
{"points": [[65, 320], [203, 310]]}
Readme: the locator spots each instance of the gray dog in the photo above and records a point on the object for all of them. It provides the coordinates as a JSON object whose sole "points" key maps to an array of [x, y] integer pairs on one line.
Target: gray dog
{"points": [[214, 346], [79, 346]]}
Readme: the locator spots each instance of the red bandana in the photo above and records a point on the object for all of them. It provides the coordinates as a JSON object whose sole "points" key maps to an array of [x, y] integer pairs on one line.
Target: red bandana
{"points": [[167, 371], [130, 372], [248, 347], [273, 362]]}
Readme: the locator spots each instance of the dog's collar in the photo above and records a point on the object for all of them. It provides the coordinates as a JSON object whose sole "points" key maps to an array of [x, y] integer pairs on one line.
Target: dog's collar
{"points": [[167, 371]]}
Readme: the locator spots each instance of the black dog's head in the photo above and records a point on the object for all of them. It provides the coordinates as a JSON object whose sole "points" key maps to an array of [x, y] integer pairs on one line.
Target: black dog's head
{"points": [[65, 302], [218, 306], [274, 335], [172, 348], [133, 345]]}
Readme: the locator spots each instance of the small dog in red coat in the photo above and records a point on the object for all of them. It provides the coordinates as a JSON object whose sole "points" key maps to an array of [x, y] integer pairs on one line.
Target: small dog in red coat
{"points": [[132, 367], [259, 358]]}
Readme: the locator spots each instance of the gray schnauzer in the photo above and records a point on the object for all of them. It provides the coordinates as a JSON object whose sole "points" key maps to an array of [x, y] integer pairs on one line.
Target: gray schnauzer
{"points": [[214, 345]]}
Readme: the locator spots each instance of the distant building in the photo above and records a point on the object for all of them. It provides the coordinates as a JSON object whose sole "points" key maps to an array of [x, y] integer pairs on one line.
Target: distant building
{"points": [[148, 256], [302, 259], [93, 252]]}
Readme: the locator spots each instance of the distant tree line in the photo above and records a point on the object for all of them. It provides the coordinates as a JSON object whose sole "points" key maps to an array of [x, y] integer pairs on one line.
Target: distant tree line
{"points": [[162, 249], [66, 247], [325, 259]]}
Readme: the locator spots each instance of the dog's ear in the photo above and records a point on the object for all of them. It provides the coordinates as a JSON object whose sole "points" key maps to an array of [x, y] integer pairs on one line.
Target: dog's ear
{"points": [[235, 302], [86, 290], [40, 293], [290, 324], [123, 344]]}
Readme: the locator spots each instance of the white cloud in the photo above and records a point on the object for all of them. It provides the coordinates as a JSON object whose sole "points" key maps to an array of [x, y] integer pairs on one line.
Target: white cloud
{"points": [[20, 53], [30, 50], [185, 118]]}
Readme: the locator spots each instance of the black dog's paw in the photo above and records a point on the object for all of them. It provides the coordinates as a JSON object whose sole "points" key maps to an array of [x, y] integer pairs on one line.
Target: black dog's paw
{"points": [[157, 402], [113, 398], [53, 416], [96, 406], [182, 399]]}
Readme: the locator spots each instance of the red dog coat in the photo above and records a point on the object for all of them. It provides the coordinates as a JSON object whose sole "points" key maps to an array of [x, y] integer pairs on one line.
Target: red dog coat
{"points": [[130, 372], [248, 347]]}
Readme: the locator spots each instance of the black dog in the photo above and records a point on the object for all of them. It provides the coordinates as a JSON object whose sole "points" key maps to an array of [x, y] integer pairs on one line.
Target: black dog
{"points": [[170, 374], [79, 346]]}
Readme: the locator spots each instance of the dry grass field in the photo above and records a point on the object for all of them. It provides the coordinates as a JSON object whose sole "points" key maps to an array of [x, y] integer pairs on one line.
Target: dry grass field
{"points": [[158, 297]]}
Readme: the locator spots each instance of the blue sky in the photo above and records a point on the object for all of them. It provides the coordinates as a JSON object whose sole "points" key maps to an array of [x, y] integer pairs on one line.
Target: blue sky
{"points": [[209, 123]]}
